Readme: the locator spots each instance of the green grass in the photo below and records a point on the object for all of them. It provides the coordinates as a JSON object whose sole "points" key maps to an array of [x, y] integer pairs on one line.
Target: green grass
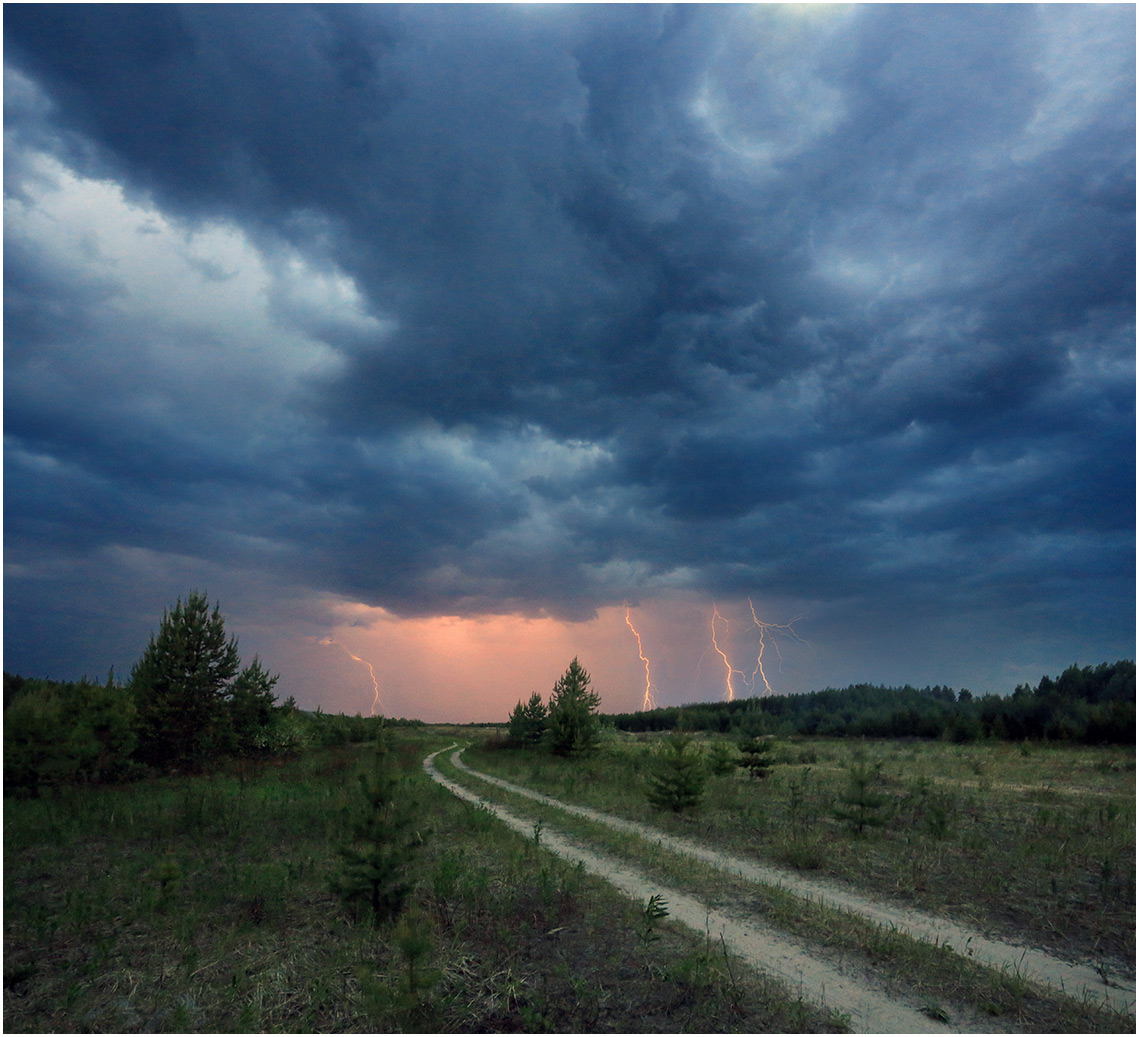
{"points": [[1034, 843], [931, 974], [203, 905]]}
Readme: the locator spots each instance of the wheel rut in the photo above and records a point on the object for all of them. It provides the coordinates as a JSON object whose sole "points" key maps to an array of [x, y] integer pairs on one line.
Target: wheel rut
{"points": [[1076, 979], [870, 1009]]}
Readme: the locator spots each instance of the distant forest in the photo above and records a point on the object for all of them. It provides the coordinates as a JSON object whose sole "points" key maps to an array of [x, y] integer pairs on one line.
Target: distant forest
{"points": [[1093, 705]]}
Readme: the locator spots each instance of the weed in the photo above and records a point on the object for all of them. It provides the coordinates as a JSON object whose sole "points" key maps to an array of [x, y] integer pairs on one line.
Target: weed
{"points": [[445, 885], [803, 851], [414, 945], [654, 911], [168, 874], [840, 1020], [931, 1008], [797, 798], [936, 819]]}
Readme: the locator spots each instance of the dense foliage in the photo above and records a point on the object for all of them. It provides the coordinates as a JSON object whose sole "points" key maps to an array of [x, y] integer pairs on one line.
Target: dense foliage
{"points": [[528, 722], [1093, 705]]}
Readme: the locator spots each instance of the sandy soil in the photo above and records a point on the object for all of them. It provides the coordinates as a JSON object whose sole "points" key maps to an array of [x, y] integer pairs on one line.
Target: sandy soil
{"points": [[871, 1008]]}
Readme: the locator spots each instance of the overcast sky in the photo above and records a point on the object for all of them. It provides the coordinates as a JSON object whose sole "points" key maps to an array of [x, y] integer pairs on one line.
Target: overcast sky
{"points": [[447, 337]]}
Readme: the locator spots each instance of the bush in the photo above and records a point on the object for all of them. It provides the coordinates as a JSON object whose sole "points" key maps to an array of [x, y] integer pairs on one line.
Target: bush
{"points": [[755, 756], [56, 733], [528, 722], [723, 758]]}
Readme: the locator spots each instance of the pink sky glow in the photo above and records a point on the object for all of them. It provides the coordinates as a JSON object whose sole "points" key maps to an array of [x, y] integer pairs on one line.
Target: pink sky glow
{"points": [[475, 669]]}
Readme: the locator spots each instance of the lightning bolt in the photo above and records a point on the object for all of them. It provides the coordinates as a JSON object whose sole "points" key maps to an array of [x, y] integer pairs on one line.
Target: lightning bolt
{"points": [[371, 670], [764, 628], [729, 691], [650, 701]]}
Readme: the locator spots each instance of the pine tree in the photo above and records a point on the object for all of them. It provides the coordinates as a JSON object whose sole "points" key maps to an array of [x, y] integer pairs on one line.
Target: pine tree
{"points": [[250, 707], [680, 776], [528, 722], [860, 804], [755, 757], [573, 725], [179, 685], [382, 844]]}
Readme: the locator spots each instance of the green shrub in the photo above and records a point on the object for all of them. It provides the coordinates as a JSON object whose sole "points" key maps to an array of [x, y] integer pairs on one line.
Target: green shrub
{"points": [[723, 757], [56, 733], [680, 775]]}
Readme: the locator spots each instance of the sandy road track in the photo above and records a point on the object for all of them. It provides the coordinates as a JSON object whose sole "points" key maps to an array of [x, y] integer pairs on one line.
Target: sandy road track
{"points": [[1078, 980], [870, 1009]]}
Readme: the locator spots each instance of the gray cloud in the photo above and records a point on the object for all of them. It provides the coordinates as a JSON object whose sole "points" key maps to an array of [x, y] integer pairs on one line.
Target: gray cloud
{"points": [[489, 309]]}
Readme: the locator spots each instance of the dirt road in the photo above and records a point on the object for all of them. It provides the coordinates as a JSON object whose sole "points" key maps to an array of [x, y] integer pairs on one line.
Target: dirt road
{"points": [[1076, 979], [871, 1008]]}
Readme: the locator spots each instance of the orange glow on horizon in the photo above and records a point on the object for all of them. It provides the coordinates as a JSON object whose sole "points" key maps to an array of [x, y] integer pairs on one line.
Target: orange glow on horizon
{"points": [[463, 669], [454, 668]]}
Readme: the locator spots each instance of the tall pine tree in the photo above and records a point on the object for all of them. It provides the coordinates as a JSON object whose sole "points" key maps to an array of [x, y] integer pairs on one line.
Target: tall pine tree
{"points": [[180, 685], [573, 725]]}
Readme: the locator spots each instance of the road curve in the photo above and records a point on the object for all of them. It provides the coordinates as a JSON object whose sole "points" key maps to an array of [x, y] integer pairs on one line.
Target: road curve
{"points": [[765, 949]]}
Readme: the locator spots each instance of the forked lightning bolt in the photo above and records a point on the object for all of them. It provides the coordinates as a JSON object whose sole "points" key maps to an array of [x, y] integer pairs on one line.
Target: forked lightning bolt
{"points": [[371, 670], [788, 628], [650, 701]]}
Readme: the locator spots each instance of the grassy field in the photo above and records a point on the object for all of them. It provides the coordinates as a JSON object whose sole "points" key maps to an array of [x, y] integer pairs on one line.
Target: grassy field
{"points": [[1034, 842], [204, 905]]}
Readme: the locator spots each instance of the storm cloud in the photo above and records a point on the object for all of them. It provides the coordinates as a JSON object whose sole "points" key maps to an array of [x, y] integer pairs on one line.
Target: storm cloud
{"points": [[485, 310]]}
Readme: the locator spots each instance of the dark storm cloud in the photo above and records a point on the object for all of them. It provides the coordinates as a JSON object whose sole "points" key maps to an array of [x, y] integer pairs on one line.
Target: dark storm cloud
{"points": [[834, 304]]}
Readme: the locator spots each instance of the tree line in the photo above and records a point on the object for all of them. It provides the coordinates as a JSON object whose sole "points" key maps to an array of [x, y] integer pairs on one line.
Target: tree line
{"points": [[189, 701], [1092, 705]]}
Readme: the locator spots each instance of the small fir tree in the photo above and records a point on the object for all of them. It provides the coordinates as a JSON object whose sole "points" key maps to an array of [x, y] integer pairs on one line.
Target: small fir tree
{"points": [[680, 775], [383, 842], [528, 722], [860, 804], [722, 758], [755, 756], [573, 725]]}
